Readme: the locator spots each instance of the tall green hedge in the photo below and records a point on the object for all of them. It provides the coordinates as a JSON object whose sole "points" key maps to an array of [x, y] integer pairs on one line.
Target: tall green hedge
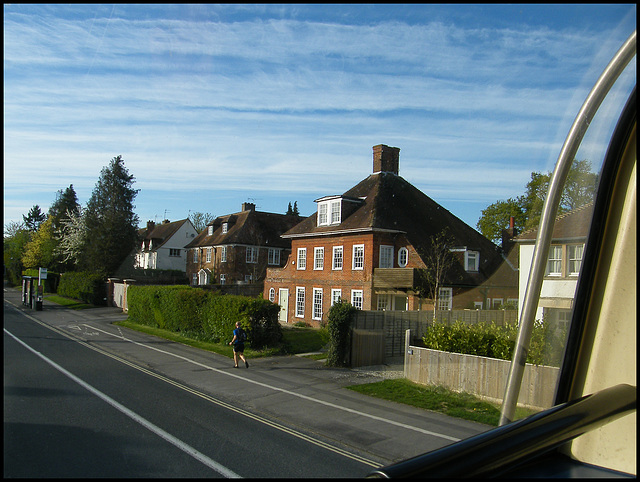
{"points": [[84, 286], [489, 340], [339, 321], [207, 315]]}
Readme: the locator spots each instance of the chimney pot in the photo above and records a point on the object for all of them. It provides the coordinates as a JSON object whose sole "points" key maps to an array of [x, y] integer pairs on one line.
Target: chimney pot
{"points": [[248, 207], [386, 159]]}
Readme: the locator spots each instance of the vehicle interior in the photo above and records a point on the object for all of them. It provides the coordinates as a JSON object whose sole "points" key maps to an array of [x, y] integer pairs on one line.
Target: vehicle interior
{"points": [[591, 429]]}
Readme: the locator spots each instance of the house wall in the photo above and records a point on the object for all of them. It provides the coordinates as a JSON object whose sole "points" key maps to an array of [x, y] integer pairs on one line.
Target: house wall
{"points": [[235, 268]]}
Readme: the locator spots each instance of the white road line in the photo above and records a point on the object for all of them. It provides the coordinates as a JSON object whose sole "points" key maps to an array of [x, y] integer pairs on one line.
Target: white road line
{"points": [[134, 416], [283, 390]]}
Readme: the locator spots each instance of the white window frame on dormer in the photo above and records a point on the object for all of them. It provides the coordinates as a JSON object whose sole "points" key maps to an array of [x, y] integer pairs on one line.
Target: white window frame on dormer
{"points": [[357, 261], [225, 228], [318, 258], [302, 258], [336, 212], [209, 230], [386, 256], [329, 212], [323, 208], [469, 257]]}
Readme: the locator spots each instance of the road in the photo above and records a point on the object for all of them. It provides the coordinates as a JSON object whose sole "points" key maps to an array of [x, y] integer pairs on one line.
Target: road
{"points": [[84, 400]]}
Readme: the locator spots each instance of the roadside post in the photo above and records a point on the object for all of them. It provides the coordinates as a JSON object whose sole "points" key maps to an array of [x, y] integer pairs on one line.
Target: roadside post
{"points": [[42, 275]]}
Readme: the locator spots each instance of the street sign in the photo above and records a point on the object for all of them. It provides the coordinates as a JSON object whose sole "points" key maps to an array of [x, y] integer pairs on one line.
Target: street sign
{"points": [[43, 273]]}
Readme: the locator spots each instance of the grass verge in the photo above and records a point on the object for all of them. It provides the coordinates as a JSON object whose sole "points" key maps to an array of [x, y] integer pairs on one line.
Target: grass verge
{"points": [[437, 399], [68, 302]]}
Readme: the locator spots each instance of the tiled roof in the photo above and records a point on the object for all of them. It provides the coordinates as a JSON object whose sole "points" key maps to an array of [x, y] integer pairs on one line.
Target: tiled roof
{"points": [[161, 233], [386, 202], [568, 226], [248, 227]]}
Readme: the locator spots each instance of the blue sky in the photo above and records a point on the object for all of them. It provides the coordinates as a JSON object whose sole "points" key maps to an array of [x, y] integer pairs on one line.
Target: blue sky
{"points": [[215, 105]]}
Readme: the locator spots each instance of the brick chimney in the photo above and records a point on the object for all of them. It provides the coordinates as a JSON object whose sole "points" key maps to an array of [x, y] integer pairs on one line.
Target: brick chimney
{"points": [[150, 225], [248, 207], [386, 159]]}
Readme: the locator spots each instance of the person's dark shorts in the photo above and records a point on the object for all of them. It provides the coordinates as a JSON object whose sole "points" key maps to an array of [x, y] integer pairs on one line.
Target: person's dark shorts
{"points": [[238, 347]]}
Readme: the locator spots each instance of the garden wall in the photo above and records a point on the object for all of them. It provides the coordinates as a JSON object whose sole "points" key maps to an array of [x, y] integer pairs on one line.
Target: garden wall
{"points": [[483, 377]]}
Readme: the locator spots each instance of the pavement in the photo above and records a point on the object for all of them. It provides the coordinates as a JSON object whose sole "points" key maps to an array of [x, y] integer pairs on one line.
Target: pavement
{"points": [[296, 393]]}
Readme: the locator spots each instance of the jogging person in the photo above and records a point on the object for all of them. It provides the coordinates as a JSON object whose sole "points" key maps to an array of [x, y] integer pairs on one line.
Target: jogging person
{"points": [[239, 336]]}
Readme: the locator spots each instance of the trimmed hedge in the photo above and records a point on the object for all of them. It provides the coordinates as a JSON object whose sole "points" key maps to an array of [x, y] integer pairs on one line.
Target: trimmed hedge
{"points": [[203, 314], [84, 286], [490, 340], [339, 321]]}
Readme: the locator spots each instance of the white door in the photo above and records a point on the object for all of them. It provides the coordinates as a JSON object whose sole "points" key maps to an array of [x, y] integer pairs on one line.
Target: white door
{"points": [[283, 301]]}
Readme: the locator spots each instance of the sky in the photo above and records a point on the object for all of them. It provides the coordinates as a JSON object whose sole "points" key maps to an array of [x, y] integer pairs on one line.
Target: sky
{"points": [[211, 106]]}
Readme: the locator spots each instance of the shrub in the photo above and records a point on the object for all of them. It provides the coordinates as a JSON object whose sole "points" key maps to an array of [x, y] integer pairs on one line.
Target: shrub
{"points": [[206, 315], [490, 340], [339, 321], [84, 286]]}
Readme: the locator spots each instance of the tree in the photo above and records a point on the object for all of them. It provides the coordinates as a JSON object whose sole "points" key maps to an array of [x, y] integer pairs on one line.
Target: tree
{"points": [[72, 238], [34, 218], [66, 202], [15, 239], [579, 189], [39, 251], [111, 224], [201, 220], [293, 211], [438, 260]]}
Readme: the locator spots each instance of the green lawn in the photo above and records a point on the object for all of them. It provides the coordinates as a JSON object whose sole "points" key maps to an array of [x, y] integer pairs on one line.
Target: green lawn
{"points": [[437, 399]]}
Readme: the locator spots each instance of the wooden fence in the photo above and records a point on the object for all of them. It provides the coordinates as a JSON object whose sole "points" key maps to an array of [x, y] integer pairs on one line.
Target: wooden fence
{"points": [[393, 325]]}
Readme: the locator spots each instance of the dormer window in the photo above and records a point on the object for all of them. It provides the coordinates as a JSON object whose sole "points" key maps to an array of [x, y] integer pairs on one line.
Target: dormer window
{"points": [[210, 230], [329, 211], [225, 228], [471, 260]]}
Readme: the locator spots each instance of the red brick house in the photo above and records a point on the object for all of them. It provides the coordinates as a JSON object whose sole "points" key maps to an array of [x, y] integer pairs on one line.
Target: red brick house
{"points": [[366, 245], [237, 248]]}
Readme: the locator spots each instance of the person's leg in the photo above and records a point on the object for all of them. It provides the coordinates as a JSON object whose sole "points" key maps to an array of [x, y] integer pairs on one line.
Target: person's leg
{"points": [[246, 363], [235, 358]]}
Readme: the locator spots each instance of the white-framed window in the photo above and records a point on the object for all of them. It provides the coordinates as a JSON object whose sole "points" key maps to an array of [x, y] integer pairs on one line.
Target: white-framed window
{"points": [[194, 279], [322, 214], [337, 258], [225, 228], [356, 298], [358, 257], [478, 305], [300, 301], [274, 256], [336, 295], [318, 258], [196, 255], [174, 252], [384, 303], [403, 257], [223, 254], [210, 230], [574, 255], [272, 295], [208, 255], [497, 303], [471, 260], [223, 279], [302, 258], [445, 298], [336, 212], [554, 262], [317, 304], [386, 256], [252, 254]]}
